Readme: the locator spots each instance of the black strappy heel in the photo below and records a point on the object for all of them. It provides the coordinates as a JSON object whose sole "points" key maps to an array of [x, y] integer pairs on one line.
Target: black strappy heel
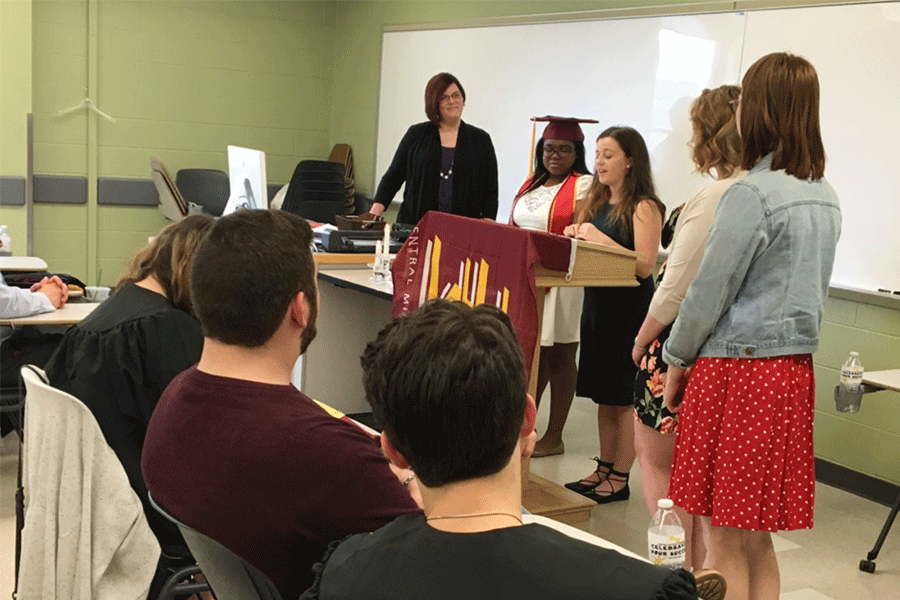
{"points": [[611, 496], [603, 470]]}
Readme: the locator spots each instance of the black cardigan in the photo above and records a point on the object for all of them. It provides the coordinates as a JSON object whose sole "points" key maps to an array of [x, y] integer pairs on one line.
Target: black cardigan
{"points": [[418, 162]]}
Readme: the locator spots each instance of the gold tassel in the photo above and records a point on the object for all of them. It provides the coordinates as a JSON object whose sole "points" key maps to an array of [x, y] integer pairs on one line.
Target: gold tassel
{"points": [[531, 153]]}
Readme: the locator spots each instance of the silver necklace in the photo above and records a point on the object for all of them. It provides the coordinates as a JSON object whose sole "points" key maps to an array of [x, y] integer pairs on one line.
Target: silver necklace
{"points": [[470, 515], [449, 172]]}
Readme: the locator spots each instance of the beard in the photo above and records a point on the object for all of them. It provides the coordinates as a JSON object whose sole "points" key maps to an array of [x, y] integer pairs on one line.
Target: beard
{"points": [[309, 334]]}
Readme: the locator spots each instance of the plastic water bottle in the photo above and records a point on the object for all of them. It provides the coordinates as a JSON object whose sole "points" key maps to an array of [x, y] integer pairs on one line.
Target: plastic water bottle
{"points": [[665, 537], [4, 241], [852, 373]]}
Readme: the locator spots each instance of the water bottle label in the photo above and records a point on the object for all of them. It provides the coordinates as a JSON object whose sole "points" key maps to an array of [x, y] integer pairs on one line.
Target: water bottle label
{"points": [[851, 375], [667, 550]]}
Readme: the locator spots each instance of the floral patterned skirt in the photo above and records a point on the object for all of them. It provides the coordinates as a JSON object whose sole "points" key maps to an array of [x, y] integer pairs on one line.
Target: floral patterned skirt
{"points": [[648, 389]]}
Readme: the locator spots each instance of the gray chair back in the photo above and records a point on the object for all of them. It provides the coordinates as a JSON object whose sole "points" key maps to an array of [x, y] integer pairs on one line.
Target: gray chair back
{"points": [[229, 576]]}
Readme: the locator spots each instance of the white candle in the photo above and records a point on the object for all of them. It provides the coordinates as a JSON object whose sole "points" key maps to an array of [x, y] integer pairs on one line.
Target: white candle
{"points": [[377, 260], [387, 239]]}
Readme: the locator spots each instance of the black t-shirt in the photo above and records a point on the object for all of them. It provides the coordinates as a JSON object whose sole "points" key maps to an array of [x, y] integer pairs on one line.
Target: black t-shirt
{"points": [[408, 559]]}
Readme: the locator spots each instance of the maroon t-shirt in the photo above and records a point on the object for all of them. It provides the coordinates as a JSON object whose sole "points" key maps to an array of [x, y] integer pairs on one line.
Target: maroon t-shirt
{"points": [[266, 472]]}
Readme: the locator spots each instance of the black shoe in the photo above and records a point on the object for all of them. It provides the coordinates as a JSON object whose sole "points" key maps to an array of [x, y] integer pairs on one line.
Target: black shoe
{"points": [[603, 469], [602, 494]]}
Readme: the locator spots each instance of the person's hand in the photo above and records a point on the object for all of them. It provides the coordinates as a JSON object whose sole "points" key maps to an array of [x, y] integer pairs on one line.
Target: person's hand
{"points": [[589, 233], [637, 355], [570, 230], [62, 286], [376, 209], [55, 293], [676, 381]]}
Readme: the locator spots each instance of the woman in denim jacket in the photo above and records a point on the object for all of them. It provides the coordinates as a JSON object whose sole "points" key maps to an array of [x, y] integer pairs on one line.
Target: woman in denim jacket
{"points": [[750, 320]]}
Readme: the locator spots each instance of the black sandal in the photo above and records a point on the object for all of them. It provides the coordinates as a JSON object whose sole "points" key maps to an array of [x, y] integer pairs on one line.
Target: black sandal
{"points": [[603, 469], [610, 495]]}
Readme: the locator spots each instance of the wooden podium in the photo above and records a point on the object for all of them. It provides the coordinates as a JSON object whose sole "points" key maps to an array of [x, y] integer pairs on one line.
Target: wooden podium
{"points": [[594, 266], [479, 261]]}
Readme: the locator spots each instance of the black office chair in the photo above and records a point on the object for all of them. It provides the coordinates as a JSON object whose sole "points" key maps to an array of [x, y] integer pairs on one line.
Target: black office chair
{"points": [[208, 188], [229, 576], [317, 191]]}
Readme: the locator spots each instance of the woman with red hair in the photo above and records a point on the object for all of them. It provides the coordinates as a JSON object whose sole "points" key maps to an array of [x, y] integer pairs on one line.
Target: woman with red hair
{"points": [[446, 164]]}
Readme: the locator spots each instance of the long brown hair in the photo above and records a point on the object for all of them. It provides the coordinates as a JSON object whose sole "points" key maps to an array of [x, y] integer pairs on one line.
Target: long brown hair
{"points": [[637, 186], [717, 143], [168, 257], [780, 115]]}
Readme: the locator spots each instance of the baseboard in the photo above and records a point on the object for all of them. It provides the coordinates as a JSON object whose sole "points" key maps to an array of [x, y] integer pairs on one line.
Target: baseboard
{"points": [[865, 486]]}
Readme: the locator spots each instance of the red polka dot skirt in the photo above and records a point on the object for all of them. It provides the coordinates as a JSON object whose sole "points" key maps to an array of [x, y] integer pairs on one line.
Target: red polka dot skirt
{"points": [[744, 446]]}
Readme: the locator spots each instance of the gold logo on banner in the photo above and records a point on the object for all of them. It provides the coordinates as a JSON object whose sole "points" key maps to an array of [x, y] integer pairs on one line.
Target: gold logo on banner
{"points": [[470, 287]]}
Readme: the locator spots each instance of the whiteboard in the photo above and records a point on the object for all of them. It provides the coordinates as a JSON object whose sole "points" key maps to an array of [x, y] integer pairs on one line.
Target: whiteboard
{"points": [[645, 72], [856, 52]]}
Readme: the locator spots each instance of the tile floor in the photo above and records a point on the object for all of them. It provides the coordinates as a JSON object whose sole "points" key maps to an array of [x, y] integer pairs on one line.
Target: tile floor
{"points": [[817, 564]]}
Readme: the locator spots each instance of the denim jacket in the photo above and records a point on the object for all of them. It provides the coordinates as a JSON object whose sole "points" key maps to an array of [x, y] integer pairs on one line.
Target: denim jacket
{"points": [[761, 287]]}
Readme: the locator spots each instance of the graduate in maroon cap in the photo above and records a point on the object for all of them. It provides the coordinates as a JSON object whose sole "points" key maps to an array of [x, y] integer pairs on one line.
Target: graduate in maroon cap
{"points": [[548, 201]]}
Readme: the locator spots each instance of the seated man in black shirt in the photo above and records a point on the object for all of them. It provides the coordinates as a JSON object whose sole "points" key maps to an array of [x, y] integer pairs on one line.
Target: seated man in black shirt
{"points": [[448, 384]]}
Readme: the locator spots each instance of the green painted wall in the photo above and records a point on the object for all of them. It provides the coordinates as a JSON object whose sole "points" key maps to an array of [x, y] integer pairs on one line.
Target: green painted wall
{"points": [[867, 441], [15, 103], [183, 80]]}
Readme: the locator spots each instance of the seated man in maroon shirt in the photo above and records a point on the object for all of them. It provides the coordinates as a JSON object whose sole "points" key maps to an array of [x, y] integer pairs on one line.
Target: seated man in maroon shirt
{"points": [[233, 449]]}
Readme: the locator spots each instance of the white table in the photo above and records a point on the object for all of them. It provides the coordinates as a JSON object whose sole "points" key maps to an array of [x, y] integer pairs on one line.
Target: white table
{"points": [[886, 380], [70, 314], [22, 264], [877, 381]]}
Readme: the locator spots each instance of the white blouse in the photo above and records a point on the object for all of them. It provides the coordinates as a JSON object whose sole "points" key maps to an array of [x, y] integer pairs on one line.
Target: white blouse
{"points": [[532, 211]]}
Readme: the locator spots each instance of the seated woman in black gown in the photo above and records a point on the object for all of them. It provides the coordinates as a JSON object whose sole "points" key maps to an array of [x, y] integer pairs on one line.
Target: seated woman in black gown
{"points": [[119, 359]]}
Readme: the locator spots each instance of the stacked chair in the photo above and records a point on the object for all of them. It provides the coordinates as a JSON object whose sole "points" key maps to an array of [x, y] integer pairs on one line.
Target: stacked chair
{"points": [[317, 191], [208, 188]]}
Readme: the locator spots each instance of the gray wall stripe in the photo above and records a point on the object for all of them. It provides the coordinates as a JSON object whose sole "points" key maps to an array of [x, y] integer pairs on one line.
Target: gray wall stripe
{"points": [[12, 191], [60, 189], [117, 191], [72, 189]]}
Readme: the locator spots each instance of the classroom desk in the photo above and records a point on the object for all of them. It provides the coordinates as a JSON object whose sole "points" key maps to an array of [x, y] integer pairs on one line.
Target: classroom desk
{"points": [[70, 314], [22, 264], [886, 380], [579, 534], [352, 310], [881, 380]]}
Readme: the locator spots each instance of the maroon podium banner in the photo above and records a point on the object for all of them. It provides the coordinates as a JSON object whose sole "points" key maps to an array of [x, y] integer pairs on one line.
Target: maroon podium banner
{"points": [[477, 262]]}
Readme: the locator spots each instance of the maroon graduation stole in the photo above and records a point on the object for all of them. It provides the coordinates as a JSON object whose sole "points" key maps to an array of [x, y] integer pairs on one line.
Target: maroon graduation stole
{"points": [[477, 261], [562, 208]]}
